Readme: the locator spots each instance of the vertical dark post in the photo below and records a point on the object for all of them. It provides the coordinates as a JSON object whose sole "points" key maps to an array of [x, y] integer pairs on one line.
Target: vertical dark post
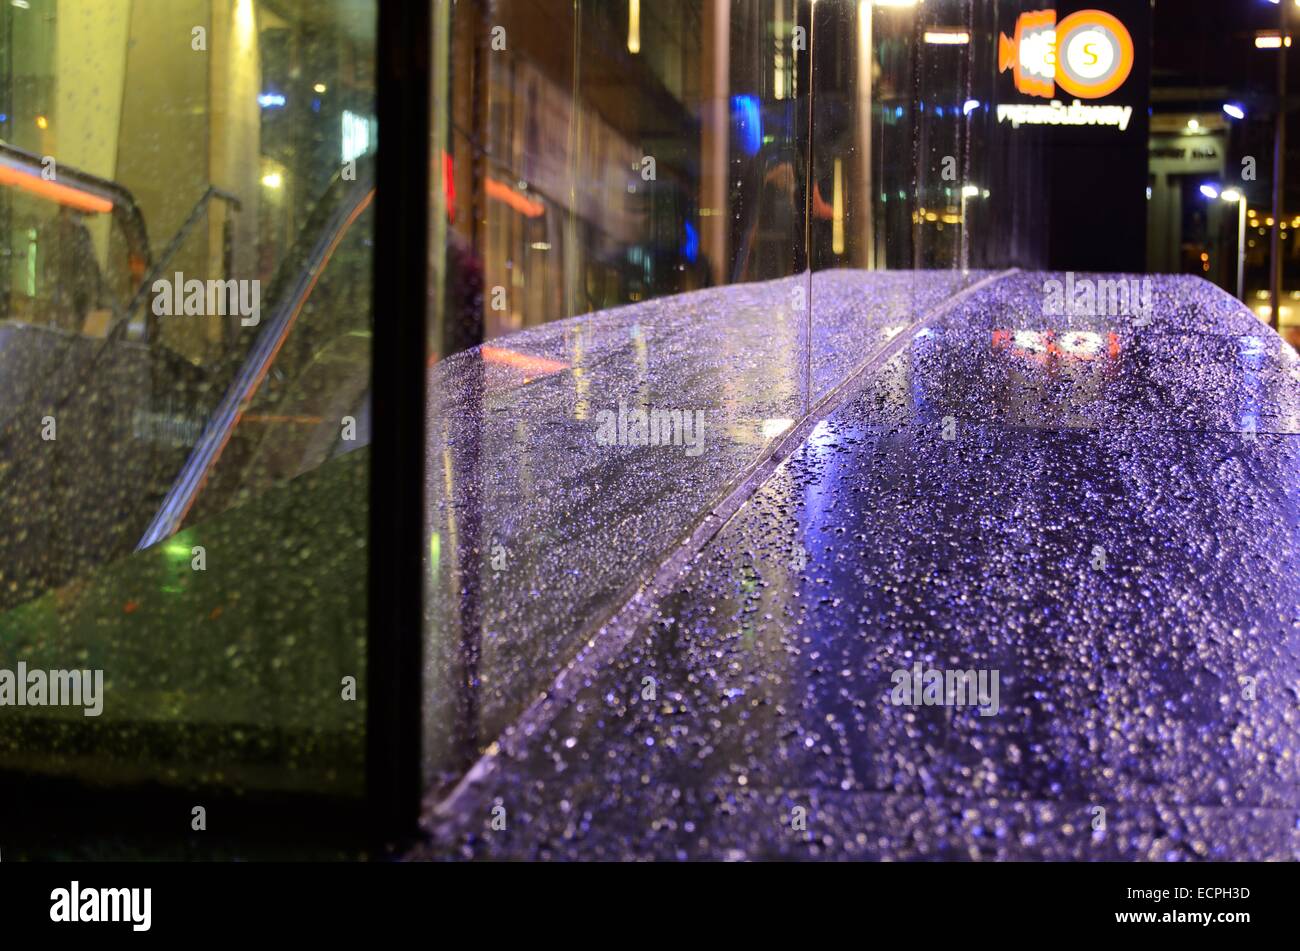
{"points": [[810, 183], [401, 263], [1279, 180]]}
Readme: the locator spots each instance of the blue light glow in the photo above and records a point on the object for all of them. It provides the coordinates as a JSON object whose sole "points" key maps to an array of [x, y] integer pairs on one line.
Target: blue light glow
{"points": [[748, 122], [691, 246]]}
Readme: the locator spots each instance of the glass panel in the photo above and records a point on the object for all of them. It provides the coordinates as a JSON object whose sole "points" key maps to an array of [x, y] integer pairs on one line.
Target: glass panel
{"points": [[621, 209], [722, 206], [185, 192], [906, 158], [1006, 189], [941, 132]]}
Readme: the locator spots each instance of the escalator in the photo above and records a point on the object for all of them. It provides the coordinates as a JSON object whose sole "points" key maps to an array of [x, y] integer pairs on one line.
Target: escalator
{"points": [[300, 395], [222, 670], [110, 439]]}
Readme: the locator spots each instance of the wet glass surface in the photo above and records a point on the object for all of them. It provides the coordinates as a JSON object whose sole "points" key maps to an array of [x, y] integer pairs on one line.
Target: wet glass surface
{"points": [[746, 200], [538, 532], [227, 677], [1126, 583], [1030, 370], [185, 257], [620, 212]]}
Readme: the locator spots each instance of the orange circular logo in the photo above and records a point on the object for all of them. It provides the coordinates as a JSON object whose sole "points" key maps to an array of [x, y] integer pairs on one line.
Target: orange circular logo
{"points": [[1094, 54]]}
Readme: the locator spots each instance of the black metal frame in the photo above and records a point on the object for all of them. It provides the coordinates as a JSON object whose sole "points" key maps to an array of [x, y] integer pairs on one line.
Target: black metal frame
{"points": [[394, 637]]}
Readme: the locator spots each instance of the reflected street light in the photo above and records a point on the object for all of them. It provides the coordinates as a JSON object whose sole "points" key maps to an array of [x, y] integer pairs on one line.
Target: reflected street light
{"points": [[1234, 196], [946, 36]]}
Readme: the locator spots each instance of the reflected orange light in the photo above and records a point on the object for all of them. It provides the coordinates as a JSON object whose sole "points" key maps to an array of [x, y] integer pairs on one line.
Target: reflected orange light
{"points": [[533, 366], [54, 191], [820, 208], [504, 193], [1043, 345], [449, 185]]}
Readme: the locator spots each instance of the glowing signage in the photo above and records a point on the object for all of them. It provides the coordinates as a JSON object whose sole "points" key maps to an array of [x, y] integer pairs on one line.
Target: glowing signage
{"points": [[1087, 55], [1031, 53], [1058, 113]]}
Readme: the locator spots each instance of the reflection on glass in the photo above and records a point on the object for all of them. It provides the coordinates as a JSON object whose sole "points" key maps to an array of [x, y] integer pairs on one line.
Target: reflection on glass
{"points": [[618, 188], [713, 206], [184, 346]]}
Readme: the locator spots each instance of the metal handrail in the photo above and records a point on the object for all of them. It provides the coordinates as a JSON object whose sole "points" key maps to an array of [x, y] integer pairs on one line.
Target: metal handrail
{"points": [[302, 275], [169, 252], [133, 224]]}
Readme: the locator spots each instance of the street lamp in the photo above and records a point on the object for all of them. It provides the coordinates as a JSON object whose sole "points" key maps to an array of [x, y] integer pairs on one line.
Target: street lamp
{"points": [[1236, 111], [967, 192], [1234, 196]]}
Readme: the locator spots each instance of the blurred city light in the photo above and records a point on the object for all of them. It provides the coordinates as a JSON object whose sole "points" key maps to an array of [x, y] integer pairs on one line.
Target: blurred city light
{"points": [[947, 37], [1270, 40], [634, 26]]}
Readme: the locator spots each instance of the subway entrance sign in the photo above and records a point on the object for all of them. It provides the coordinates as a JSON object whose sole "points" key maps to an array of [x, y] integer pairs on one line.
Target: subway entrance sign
{"points": [[1081, 72]]}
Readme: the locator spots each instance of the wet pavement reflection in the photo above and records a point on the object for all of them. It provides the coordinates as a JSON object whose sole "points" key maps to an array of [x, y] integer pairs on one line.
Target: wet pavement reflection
{"points": [[1099, 524]]}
